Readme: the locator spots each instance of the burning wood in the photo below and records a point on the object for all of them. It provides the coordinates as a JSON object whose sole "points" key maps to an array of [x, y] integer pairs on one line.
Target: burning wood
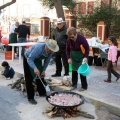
{"points": [[66, 105], [67, 112]]}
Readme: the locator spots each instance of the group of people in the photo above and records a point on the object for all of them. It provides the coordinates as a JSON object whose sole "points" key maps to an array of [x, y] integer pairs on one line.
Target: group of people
{"points": [[19, 34], [66, 45], [67, 48]]}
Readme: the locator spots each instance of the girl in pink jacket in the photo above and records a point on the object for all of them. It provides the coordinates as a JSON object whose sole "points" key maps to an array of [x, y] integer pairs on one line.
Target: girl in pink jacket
{"points": [[112, 54]]}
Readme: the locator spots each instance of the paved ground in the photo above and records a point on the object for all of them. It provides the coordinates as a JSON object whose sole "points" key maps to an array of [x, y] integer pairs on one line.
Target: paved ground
{"points": [[14, 106]]}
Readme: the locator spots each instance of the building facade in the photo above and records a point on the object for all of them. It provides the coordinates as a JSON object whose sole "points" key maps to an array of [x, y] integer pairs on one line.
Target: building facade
{"points": [[32, 10]]}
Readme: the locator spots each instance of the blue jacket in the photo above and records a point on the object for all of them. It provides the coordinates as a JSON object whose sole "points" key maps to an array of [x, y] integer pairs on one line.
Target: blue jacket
{"points": [[9, 72], [35, 52]]}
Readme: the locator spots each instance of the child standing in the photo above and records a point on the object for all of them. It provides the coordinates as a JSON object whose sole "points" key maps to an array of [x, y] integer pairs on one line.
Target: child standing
{"points": [[112, 54], [8, 71]]}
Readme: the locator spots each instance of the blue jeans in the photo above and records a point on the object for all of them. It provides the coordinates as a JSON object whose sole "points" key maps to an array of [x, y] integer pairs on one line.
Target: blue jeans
{"points": [[22, 40]]}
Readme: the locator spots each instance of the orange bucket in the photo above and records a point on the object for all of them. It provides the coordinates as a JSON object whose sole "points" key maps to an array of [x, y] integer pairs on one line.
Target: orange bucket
{"points": [[8, 55]]}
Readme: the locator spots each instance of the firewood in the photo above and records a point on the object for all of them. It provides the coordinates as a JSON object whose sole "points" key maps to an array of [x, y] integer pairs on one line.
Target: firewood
{"points": [[19, 84], [15, 84], [56, 84], [75, 108], [9, 84], [23, 87], [66, 112], [70, 111], [55, 111], [49, 109], [50, 114], [67, 115], [84, 114]]}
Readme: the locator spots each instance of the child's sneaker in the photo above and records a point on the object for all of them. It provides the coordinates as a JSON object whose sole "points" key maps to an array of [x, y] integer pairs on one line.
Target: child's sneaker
{"points": [[8, 78]]}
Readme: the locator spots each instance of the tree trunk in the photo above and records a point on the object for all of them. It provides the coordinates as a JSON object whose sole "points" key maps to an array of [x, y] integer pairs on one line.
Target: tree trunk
{"points": [[110, 2], [7, 4], [59, 9]]}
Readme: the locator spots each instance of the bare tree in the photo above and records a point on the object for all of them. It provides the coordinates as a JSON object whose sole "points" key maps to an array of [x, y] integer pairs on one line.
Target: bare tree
{"points": [[7, 4], [57, 4]]}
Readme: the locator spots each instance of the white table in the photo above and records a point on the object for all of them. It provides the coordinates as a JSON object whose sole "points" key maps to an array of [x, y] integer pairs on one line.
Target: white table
{"points": [[118, 52], [19, 45], [118, 49]]}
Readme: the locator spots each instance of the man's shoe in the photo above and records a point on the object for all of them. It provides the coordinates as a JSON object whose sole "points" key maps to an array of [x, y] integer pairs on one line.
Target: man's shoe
{"points": [[109, 81], [82, 89], [66, 74], [32, 101], [56, 75], [117, 78]]}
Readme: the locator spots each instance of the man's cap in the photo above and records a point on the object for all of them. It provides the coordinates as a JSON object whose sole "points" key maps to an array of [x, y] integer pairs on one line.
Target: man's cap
{"points": [[60, 20]]}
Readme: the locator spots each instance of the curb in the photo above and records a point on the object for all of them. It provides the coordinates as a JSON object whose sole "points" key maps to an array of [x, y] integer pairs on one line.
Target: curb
{"points": [[111, 107]]}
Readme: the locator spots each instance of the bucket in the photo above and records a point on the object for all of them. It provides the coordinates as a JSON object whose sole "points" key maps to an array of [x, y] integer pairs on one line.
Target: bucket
{"points": [[8, 55], [84, 69]]}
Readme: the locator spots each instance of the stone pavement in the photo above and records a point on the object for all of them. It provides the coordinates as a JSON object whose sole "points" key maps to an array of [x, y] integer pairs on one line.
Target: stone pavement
{"points": [[99, 93]]}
